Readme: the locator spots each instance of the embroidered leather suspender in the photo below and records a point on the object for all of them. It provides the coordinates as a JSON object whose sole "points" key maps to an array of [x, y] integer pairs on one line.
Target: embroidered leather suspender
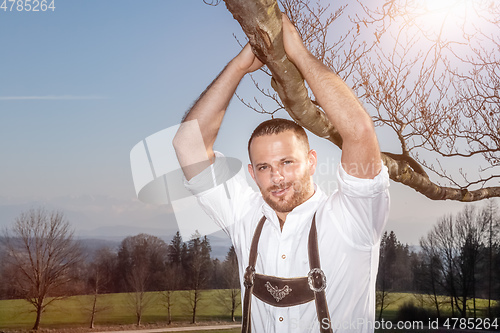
{"points": [[284, 292]]}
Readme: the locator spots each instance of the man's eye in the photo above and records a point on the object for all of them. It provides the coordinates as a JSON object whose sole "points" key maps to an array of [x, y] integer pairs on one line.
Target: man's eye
{"points": [[262, 168], [287, 162]]}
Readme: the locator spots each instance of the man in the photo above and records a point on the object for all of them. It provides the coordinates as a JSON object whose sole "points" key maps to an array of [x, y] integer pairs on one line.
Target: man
{"points": [[273, 231]]}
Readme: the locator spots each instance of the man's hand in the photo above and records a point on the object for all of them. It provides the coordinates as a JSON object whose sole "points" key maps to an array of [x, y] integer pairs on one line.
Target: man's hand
{"points": [[246, 61], [294, 47]]}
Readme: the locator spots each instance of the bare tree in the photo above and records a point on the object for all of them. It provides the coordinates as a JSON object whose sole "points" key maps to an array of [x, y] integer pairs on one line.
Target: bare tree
{"points": [[99, 277], [454, 253], [41, 253], [197, 268], [430, 277], [472, 234], [489, 214], [387, 272], [6, 291], [230, 298], [139, 298], [438, 93], [173, 278], [383, 299], [142, 260]]}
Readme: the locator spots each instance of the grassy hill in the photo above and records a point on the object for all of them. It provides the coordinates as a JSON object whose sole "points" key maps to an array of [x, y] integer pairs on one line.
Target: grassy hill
{"points": [[118, 309]]}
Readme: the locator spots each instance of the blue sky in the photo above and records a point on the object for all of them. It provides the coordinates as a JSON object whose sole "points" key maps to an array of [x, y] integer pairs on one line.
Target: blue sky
{"points": [[122, 64], [80, 86]]}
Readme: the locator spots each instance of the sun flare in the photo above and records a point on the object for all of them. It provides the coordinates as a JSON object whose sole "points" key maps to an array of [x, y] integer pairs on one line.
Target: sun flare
{"points": [[445, 5], [446, 15]]}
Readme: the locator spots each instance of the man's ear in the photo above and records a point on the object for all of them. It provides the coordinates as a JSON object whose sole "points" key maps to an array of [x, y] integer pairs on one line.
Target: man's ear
{"points": [[250, 171], [313, 161]]}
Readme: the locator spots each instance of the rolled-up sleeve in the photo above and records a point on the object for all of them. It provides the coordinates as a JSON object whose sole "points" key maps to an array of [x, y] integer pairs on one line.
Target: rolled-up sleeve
{"points": [[361, 206], [222, 193]]}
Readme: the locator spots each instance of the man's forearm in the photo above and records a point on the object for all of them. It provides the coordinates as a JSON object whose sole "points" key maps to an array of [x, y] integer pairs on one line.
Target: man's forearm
{"points": [[360, 150], [211, 106], [208, 111], [341, 106]]}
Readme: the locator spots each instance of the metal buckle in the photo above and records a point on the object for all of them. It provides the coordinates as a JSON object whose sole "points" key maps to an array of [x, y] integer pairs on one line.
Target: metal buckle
{"points": [[311, 279], [249, 276]]}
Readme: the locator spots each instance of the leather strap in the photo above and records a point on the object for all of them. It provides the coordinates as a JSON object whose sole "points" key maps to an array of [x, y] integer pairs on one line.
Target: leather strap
{"points": [[317, 280], [249, 277]]}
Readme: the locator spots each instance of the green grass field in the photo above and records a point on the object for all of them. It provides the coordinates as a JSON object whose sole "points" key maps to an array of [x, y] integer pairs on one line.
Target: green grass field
{"points": [[445, 309], [118, 310]]}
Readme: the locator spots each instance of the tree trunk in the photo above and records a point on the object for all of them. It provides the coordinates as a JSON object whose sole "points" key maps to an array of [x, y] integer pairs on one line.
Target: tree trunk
{"points": [[169, 307], [453, 292], [39, 311], [261, 22], [474, 290], [194, 313], [169, 316], [139, 318], [381, 305], [196, 298], [452, 307], [490, 267], [233, 307], [434, 291], [436, 302], [39, 307], [92, 316], [464, 306]]}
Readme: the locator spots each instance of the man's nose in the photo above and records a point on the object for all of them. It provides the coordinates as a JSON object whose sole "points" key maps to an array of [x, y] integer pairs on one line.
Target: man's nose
{"points": [[277, 176]]}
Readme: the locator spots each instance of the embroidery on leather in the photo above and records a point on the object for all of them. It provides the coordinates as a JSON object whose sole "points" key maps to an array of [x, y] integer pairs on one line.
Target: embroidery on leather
{"points": [[278, 294]]}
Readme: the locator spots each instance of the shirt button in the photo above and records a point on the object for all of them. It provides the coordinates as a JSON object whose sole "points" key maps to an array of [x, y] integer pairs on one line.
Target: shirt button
{"points": [[283, 256], [281, 318]]}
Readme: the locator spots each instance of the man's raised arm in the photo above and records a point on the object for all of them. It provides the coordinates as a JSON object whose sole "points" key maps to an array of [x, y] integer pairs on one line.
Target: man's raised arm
{"points": [[360, 149], [208, 111]]}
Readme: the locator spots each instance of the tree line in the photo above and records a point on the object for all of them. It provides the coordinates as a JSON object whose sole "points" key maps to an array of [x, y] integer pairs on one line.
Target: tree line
{"points": [[457, 262], [41, 262], [459, 259]]}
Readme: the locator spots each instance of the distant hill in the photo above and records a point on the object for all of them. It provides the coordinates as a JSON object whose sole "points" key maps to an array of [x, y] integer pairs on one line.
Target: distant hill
{"points": [[111, 237], [100, 221]]}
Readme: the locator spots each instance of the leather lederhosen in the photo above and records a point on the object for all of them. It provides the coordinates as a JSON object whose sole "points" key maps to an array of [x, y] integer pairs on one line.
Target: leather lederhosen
{"points": [[283, 292]]}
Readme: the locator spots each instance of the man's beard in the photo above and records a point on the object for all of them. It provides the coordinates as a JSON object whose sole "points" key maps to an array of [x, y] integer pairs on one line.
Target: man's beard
{"points": [[285, 205]]}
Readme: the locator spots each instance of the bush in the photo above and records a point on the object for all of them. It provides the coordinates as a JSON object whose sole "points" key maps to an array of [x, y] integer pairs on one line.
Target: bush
{"points": [[410, 312], [495, 310]]}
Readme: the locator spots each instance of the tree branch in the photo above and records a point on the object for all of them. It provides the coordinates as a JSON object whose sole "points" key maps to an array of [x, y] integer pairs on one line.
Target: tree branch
{"points": [[261, 22]]}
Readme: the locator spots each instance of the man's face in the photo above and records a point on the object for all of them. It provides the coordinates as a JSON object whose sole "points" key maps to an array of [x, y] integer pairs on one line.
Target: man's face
{"points": [[282, 168]]}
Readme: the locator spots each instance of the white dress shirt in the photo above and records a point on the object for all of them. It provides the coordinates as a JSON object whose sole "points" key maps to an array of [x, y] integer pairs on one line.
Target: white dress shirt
{"points": [[349, 225]]}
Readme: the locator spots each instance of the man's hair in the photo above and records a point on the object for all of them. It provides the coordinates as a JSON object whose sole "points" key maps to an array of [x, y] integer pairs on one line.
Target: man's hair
{"points": [[277, 126]]}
